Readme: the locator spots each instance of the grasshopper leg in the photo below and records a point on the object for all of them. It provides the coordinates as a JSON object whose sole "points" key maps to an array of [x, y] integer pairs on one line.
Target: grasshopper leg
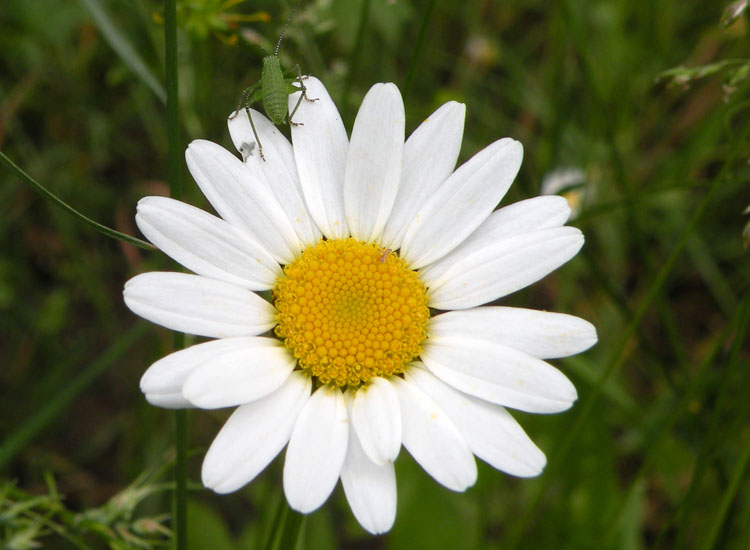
{"points": [[300, 78], [302, 96], [255, 133], [245, 100]]}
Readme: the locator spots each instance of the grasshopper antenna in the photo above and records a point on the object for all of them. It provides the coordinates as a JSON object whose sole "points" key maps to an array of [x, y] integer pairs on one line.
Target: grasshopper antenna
{"points": [[278, 44]]}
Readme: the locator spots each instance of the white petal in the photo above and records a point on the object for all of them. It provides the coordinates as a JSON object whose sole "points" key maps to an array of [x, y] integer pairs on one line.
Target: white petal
{"points": [[524, 216], [316, 450], [542, 334], [377, 418], [239, 375], [320, 146], [198, 305], [370, 488], [515, 219], [500, 268], [433, 440], [373, 163], [498, 374], [254, 435], [278, 170], [205, 244], [491, 432], [430, 155], [241, 199], [168, 400], [463, 202], [162, 382]]}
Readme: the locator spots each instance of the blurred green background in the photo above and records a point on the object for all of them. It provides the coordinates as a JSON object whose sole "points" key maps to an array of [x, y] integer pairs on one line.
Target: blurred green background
{"points": [[656, 452]]}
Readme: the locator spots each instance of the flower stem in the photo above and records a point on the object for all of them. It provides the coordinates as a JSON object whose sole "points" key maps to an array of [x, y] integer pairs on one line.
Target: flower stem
{"points": [[418, 47], [173, 123], [18, 171], [180, 474], [356, 55], [286, 527], [175, 191]]}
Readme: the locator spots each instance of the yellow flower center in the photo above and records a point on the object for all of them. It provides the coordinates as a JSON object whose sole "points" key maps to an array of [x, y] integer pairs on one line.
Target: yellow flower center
{"points": [[350, 311]]}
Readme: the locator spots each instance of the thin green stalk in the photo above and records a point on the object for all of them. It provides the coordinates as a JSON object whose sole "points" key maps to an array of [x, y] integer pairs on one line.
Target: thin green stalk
{"points": [[620, 302], [174, 167], [180, 475], [356, 54], [418, 47], [13, 167], [674, 411], [717, 427], [287, 529], [180, 467], [174, 151], [729, 495], [272, 521], [623, 182], [119, 42], [52, 409], [565, 442]]}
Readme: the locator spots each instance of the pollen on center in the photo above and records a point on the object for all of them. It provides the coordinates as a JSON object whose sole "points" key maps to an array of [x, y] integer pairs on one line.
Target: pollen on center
{"points": [[350, 311]]}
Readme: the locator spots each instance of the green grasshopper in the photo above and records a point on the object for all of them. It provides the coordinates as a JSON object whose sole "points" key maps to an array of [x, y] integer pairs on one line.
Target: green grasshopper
{"points": [[273, 89]]}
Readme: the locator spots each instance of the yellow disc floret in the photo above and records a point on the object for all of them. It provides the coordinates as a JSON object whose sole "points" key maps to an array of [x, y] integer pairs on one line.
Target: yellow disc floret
{"points": [[349, 311]]}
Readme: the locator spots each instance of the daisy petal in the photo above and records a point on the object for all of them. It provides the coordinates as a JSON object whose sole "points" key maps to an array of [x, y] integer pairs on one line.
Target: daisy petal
{"points": [[370, 488], [242, 200], [430, 155], [277, 170], [373, 163], [463, 202], [498, 374], [377, 418], [205, 244], [168, 400], [500, 268], [320, 146], [316, 450], [542, 334], [524, 216], [162, 382], [253, 436], [491, 432], [198, 305], [433, 440], [515, 219], [240, 375]]}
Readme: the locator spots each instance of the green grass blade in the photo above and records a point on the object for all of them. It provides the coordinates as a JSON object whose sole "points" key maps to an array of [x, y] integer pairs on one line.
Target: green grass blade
{"points": [[53, 408], [717, 430], [13, 167], [288, 528], [174, 147], [418, 47], [679, 407], [174, 156], [726, 501], [356, 55], [122, 47], [617, 359]]}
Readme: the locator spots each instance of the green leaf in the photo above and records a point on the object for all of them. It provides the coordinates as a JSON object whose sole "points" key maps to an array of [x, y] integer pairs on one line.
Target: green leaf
{"points": [[207, 529], [123, 48], [13, 167]]}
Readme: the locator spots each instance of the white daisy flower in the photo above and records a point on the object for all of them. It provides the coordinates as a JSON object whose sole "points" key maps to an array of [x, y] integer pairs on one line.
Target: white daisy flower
{"points": [[568, 182], [378, 257]]}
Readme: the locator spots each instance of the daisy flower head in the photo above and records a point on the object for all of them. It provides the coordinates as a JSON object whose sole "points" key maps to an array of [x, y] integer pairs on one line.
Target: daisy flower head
{"points": [[378, 256]]}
